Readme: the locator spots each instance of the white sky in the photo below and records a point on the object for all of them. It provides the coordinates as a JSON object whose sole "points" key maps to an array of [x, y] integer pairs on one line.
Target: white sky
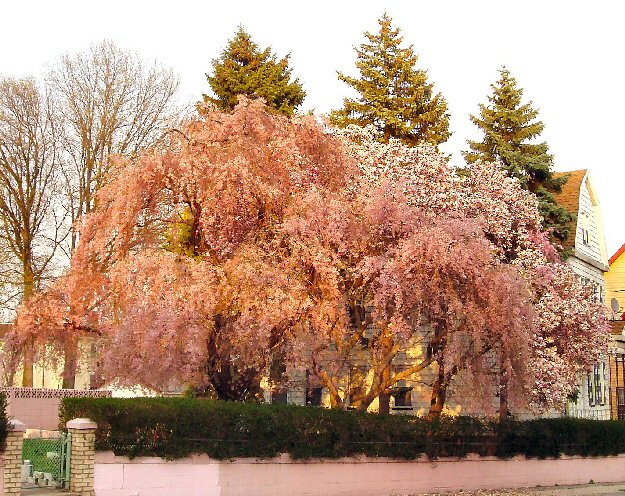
{"points": [[567, 55]]}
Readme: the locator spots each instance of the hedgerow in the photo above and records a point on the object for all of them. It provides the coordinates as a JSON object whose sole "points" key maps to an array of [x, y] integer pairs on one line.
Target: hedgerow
{"points": [[177, 427], [4, 419]]}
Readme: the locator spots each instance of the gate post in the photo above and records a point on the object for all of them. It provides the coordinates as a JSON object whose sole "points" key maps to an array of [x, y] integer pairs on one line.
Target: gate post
{"points": [[82, 456], [13, 459]]}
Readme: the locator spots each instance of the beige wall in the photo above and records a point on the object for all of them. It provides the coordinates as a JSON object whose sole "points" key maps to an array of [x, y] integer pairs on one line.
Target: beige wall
{"points": [[615, 282]]}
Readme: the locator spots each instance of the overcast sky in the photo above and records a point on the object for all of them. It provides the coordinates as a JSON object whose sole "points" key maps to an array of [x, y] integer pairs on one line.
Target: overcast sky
{"points": [[567, 55]]}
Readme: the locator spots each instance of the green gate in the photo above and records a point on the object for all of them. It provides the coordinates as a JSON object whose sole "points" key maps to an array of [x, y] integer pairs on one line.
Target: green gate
{"points": [[45, 462]]}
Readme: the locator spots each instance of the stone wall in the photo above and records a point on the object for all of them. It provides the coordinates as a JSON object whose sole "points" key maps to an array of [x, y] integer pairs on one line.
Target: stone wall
{"points": [[12, 460], [82, 457]]}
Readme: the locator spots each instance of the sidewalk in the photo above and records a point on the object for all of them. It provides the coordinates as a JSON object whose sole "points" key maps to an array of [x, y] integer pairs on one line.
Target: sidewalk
{"points": [[614, 489], [581, 490]]}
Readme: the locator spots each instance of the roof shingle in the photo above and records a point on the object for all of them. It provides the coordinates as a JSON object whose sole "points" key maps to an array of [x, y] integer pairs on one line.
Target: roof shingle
{"points": [[569, 199]]}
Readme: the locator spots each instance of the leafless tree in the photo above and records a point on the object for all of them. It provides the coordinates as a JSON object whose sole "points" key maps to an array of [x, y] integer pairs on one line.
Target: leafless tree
{"points": [[30, 219], [110, 104]]}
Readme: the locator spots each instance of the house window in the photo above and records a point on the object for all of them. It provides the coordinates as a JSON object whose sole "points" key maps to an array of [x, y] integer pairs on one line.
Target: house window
{"points": [[598, 386], [585, 229], [601, 297], [403, 399], [591, 395], [279, 395], [314, 395], [606, 383]]}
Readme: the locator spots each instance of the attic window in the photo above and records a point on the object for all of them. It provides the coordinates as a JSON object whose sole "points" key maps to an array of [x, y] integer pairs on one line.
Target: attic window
{"points": [[585, 229]]}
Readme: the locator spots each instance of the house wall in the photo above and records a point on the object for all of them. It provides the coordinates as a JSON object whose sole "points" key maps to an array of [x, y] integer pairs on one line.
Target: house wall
{"points": [[583, 407], [589, 261], [587, 407], [200, 475], [588, 271], [589, 218], [617, 375], [615, 282], [48, 370]]}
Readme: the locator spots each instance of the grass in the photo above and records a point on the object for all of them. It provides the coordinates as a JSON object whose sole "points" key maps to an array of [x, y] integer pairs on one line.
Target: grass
{"points": [[36, 450]]}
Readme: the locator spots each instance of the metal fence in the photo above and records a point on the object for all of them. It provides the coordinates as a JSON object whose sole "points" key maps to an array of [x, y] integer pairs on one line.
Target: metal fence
{"points": [[46, 461]]}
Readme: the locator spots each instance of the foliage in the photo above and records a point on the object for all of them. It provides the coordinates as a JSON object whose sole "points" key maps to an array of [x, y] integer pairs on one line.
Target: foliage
{"points": [[395, 97], [177, 427], [221, 187], [245, 69], [542, 438], [32, 223], [510, 130], [250, 237], [4, 419], [106, 102]]}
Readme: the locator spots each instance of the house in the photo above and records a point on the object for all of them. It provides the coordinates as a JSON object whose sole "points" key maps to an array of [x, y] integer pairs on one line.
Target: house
{"points": [[588, 258], [47, 372], [615, 292]]}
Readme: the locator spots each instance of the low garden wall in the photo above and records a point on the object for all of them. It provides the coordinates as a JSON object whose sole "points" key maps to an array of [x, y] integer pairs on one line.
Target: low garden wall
{"points": [[201, 475], [165, 446]]}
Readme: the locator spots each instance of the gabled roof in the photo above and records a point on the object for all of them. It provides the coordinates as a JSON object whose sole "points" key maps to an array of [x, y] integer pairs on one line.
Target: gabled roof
{"points": [[618, 253], [569, 199]]}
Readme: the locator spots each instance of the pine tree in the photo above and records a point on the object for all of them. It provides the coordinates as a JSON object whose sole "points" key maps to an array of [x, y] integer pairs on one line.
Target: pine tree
{"points": [[510, 131], [244, 69], [395, 97]]}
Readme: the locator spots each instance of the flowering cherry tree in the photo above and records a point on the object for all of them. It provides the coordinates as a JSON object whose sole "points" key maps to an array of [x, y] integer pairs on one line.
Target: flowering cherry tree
{"points": [[251, 238]]}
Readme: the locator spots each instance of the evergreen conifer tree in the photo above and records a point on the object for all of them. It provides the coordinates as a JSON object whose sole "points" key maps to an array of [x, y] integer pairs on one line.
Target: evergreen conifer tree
{"points": [[245, 69], [510, 129], [395, 97]]}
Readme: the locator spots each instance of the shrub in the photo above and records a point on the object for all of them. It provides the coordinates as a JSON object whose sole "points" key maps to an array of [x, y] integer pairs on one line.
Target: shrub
{"points": [[177, 427], [4, 419]]}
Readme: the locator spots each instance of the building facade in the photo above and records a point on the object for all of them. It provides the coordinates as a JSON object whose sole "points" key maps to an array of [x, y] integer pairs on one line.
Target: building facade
{"points": [[615, 293], [588, 259]]}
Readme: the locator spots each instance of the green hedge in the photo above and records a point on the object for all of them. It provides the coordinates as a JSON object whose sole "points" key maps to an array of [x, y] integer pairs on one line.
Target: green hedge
{"points": [[4, 419], [176, 427]]}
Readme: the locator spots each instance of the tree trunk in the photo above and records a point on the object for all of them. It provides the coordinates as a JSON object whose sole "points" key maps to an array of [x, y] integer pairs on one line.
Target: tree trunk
{"points": [[439, 394], [29, 361], [385, 403], [385, 397], [70, 350], [504, 412], [29, 345]]}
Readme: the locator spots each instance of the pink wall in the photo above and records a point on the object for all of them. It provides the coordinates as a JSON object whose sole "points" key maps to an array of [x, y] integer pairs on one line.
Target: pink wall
{"points": [[38, 408], [42, 413], [200, 475]]}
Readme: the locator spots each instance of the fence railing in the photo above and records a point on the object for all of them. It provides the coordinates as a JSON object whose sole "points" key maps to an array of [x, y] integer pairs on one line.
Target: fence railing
{"points": [[46, 461]]}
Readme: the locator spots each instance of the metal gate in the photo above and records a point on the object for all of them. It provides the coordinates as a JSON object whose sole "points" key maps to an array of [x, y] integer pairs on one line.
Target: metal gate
{"points": [[46, 461]]}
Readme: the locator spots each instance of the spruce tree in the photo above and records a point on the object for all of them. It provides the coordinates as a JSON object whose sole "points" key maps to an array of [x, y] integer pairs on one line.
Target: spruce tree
{"points": [[395, 97], [510, 130], [244, 69]]}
